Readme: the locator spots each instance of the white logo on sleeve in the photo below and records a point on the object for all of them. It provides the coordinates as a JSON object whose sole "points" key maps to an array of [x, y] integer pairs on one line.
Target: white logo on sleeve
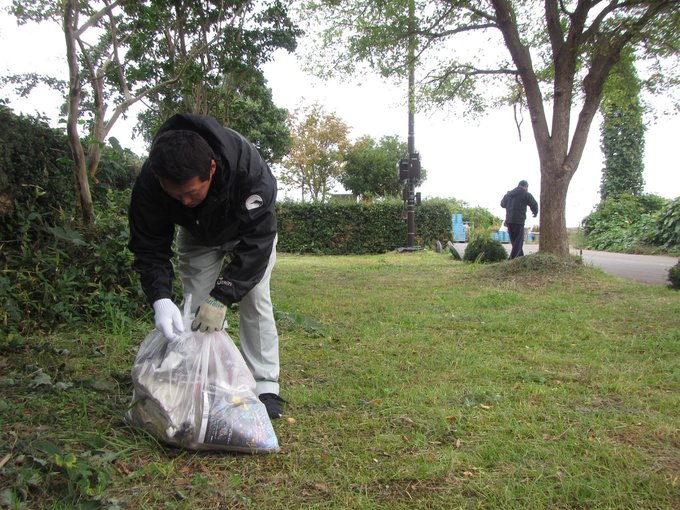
{"points": [[253, 202]]}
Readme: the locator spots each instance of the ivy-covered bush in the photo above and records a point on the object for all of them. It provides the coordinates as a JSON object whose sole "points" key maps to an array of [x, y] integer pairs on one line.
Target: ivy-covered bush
{"points": [[666, 226], [624, 223], [342, 228], [485, 250]]}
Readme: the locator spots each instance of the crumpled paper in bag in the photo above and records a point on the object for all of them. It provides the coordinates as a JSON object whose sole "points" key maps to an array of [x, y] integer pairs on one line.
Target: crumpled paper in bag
{"points": [[198, 393]]}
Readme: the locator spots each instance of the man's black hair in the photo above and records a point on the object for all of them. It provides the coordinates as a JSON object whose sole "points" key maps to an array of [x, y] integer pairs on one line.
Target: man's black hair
{"points": [[179, 155], [523, 183]]}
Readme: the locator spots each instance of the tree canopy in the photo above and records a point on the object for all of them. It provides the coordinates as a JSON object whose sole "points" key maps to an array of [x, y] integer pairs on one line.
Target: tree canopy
{"points": [[370, 167], [316, 158]]}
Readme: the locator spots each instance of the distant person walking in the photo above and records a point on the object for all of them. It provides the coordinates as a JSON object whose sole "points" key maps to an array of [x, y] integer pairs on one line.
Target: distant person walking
{"points": [[515, 203]]}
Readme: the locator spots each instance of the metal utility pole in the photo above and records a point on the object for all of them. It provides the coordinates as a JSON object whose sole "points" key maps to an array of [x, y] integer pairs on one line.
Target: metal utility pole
{"points": [[409, 167]]}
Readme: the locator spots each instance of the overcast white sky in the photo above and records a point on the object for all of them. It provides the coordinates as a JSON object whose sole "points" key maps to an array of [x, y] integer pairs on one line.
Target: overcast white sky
{"points": [[472, 160]]}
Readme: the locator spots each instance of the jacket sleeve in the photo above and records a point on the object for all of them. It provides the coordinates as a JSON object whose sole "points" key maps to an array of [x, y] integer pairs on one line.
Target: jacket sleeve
{"points": [[533, 205], [151, 235], [255, 209]]}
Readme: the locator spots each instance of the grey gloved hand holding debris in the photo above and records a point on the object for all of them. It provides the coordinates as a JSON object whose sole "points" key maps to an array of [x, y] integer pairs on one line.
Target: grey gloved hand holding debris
{"points": [[168, 319], [210, 316]]}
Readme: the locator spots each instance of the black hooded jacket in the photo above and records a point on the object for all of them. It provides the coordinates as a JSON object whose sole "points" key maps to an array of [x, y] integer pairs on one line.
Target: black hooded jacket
{"points": [[515, 203], [239, 206]]}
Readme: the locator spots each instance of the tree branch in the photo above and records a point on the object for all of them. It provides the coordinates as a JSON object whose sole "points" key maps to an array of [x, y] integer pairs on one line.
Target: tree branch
{"points": [[95, 18]]}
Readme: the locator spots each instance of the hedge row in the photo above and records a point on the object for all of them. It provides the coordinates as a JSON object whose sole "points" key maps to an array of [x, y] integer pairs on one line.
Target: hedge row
{"points": [[340, 228]]}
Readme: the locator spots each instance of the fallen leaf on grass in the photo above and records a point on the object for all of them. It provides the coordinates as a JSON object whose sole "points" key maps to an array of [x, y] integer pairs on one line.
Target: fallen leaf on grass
{"points": [[40, 379]]}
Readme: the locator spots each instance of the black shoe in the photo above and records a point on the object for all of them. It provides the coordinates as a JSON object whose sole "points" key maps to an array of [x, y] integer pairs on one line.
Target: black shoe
{"points": [[274, 404]]}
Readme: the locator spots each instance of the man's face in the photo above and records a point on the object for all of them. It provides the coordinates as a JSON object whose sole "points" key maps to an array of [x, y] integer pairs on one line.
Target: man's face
{"points": [[190, 193]]}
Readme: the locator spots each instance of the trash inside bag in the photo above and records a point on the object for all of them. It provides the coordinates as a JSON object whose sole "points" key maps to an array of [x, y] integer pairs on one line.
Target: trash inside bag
{"points": [[198, 393]]}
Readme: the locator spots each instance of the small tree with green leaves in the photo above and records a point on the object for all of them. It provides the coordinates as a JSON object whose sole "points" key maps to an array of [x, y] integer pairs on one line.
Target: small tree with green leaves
{"points": [[371, 167], [316, 158]]}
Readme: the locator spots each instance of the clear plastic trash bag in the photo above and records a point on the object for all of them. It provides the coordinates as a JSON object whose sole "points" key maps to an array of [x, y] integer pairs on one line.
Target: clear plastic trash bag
{"points": [[198, 393]]}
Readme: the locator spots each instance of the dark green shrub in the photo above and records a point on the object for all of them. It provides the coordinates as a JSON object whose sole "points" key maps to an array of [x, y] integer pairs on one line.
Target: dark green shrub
{"points": [[118, 169], [342, 228], [484, 249], [667, 226], [674, 276], [623, 223], [36, 180]]}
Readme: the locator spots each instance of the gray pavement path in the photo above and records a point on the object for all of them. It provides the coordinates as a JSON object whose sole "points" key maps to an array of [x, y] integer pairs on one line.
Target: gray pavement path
{"points": [[652, 269]]}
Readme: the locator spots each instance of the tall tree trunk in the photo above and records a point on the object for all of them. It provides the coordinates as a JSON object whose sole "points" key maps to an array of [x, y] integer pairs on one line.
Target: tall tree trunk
{"points": [[83, 195], [553, 201]]}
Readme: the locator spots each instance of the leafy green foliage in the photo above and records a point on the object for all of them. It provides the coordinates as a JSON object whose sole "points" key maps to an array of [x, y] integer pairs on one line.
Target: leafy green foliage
{"points": [[222, 78], [318, 143], [252, 113], [628, 223], [370, 167], [118, 169], [622, 132], [70, 275], [667, 226], [674, 276], [340, 228], [244, 103], [483, 249], [35, 175]]}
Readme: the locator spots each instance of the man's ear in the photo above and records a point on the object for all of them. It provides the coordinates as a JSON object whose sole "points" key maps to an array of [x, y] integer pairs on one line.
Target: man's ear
{"points": [[213, 167]]}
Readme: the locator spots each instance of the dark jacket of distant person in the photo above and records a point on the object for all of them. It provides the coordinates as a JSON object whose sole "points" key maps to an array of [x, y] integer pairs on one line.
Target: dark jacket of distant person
{"points": [[515, 203]]}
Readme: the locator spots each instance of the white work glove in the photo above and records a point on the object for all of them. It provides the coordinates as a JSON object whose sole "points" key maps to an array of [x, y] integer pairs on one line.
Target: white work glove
{"points": [[168, 319], [210, 316]]}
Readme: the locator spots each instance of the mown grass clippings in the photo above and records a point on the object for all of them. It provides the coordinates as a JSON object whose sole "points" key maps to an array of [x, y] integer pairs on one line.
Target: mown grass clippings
{"points": [[536, 270], [413, 381]]}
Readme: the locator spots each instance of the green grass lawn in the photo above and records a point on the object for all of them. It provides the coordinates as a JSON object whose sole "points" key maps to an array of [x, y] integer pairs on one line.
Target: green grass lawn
{"points": [[414, 382]]}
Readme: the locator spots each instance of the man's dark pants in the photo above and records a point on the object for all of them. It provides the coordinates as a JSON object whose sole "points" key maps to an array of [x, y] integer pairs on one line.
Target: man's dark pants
{"points": [[516, 233]]}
